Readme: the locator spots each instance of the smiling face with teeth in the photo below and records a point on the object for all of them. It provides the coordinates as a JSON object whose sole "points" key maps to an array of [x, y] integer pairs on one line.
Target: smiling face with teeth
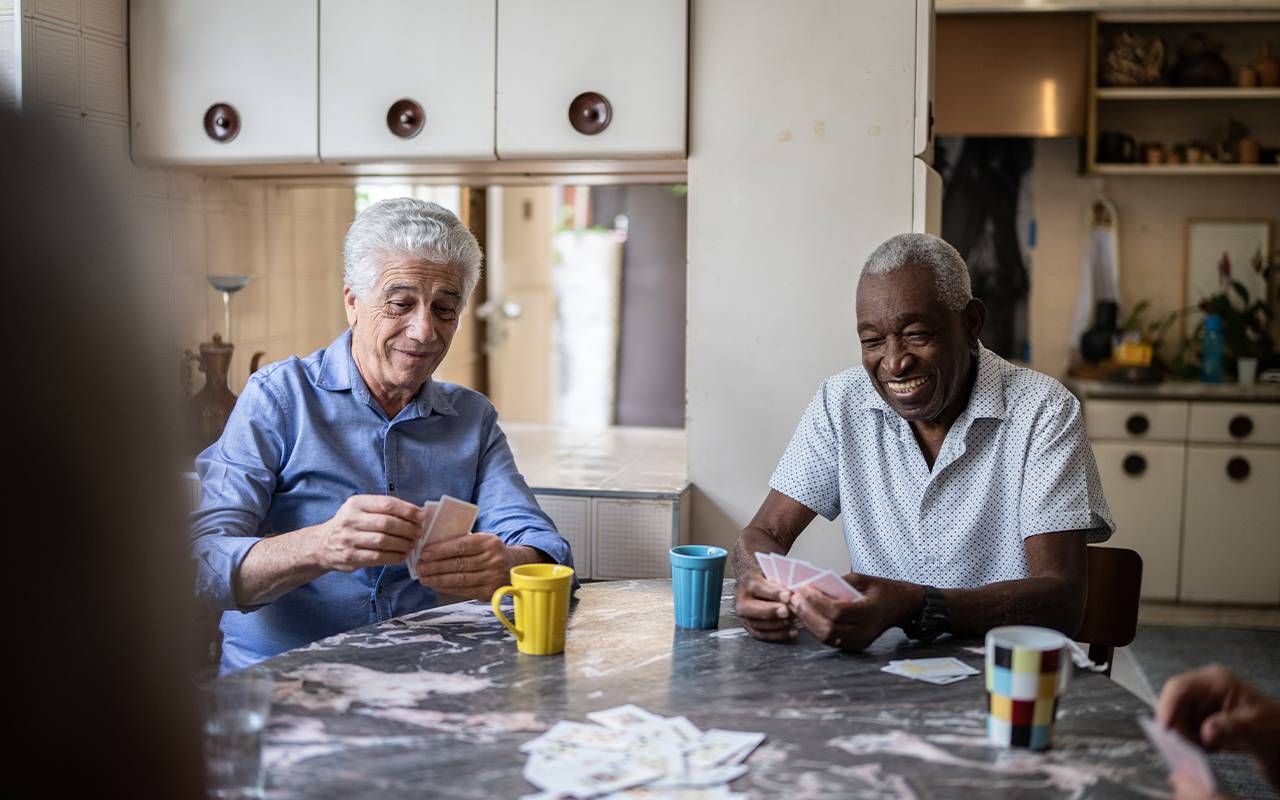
{"points": [[917, 352]]}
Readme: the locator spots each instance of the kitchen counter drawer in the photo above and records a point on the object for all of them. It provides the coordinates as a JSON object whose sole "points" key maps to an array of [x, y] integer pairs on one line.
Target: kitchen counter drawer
{"points": [[1235, 423], [1137, 421]]}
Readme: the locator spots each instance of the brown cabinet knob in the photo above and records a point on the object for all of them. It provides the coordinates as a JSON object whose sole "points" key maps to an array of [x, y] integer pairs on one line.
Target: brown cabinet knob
{"points": [[1137, 424], [1237, 469], [1240, 426], [1134, 464], [590, 113], [222, 122], [405, 118]]}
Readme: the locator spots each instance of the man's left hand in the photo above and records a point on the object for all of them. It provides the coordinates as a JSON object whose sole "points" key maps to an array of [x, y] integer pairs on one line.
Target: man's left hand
{"points": [[471, 566], [853, 624]]}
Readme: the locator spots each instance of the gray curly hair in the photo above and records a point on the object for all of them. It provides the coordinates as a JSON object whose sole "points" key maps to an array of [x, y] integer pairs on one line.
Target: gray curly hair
{"points": [[405, 227], [950, 275]]}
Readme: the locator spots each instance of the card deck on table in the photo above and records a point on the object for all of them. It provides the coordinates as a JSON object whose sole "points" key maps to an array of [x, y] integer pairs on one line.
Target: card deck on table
{"points": [[623, 717], [939, 671], [1181, 755]]}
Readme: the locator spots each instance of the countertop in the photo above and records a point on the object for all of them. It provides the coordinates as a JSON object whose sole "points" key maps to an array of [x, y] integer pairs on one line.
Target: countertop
{"points": [[1175, 390], [437, 703], [618, 460]]}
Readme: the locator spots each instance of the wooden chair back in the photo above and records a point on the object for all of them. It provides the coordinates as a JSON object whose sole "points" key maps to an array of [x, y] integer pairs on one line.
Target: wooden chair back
{"points": [[1111, 605]]}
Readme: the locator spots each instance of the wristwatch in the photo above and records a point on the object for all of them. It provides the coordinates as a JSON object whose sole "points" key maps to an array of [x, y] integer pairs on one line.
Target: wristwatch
{"points": [[932, 621]]}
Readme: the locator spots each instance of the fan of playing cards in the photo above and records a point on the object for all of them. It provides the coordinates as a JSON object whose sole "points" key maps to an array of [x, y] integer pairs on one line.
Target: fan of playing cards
{"points": [[794, 573], [447, 519], [631, 753]]}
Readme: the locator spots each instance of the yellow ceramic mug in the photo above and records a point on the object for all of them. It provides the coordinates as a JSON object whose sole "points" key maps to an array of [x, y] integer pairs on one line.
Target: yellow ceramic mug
{"points": [[541, 593]]}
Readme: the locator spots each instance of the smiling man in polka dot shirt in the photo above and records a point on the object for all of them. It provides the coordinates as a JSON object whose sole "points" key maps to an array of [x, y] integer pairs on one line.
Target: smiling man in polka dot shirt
{"points": [[966, 485]]}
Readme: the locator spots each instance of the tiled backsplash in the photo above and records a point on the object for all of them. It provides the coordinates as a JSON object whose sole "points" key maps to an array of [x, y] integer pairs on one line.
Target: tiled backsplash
{"points": [[185, 226]]}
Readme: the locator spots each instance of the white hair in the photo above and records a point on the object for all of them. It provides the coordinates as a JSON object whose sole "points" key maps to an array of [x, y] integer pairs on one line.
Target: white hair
{"points": [[407, 228], [950, 275]]}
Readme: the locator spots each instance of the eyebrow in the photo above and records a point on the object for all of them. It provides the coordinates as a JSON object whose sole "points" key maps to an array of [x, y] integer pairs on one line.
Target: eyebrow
{"points": [[409, 287], [900, 321]]}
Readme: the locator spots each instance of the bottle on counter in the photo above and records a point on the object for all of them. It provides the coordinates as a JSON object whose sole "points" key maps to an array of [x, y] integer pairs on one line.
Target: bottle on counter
{"points": [[1211, 350]]}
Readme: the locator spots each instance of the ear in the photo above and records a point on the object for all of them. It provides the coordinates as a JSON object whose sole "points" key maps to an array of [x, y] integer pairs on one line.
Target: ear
{"points": [[973, 317], [349, 302]]}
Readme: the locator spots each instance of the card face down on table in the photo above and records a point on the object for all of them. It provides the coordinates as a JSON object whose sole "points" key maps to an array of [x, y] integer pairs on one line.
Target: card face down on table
{"points": [[447, 519]]}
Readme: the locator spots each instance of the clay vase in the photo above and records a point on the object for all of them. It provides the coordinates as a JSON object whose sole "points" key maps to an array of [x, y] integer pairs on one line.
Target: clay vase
{"points": [[208, 410], [1267, 67]]}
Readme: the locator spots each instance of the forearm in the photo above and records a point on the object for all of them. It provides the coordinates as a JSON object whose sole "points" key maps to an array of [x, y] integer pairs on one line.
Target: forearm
{"points": [[518, 554], [1051, 602], [277, 565], [753, 539]]}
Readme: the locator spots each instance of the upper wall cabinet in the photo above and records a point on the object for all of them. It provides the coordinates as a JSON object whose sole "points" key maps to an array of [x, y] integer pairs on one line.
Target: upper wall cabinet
{"points": [[406, 79], [232, 81], [591, 78]]}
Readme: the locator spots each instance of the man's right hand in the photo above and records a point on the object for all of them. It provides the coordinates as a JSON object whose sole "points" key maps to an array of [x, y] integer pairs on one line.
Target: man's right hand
{"points": [[369, 530], [762, 607]]}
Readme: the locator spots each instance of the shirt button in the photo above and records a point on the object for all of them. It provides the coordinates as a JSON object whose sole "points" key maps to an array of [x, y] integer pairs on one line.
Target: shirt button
{"points": [[391, 487]]}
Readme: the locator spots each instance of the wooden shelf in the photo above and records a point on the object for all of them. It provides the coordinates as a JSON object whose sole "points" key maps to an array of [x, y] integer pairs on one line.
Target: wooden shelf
{"points": [[1185, 169], [1169, 93]]}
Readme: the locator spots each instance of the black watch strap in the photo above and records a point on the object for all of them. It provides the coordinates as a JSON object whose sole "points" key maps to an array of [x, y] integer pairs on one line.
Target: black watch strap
{"points": [[933, 619]]}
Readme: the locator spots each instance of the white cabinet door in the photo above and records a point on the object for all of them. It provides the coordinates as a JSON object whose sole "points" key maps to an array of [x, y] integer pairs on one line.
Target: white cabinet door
{"points": [[632, 538], [1231, 539], [924, 81], [631, 55], [189, 56], [572, 516], [438, 55], [1142, 483]]}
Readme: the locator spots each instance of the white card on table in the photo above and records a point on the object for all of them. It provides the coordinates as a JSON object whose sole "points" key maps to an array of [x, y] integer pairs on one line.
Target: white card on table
{"points": [[623, 717], [928, 667], [1181, 755], [567, 734]]}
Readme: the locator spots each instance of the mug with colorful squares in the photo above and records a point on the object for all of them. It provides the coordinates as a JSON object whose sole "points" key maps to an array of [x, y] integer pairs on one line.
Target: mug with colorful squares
{"points": [[541, 593], [1028, 669]]}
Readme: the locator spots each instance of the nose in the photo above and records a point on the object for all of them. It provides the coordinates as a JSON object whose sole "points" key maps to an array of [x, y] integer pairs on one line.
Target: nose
{"points": [[419, 327], [898, 358]]}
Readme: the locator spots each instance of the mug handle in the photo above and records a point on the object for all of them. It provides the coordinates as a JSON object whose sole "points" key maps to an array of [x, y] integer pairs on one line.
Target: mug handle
{"points": [[506, 621], [1065, 667]]}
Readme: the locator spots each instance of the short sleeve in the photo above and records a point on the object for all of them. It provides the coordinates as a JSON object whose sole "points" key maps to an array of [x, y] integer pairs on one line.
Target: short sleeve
{"points": [[1061, 490], [809, 471]]}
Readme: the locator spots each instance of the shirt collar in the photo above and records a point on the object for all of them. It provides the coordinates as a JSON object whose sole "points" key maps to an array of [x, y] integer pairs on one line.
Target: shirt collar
{"points": [[338, 373], [986, 399]]}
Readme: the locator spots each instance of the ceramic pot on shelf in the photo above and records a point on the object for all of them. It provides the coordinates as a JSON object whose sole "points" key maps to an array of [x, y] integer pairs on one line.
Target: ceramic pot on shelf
{"points": [[208, 409], [1267, 67]]}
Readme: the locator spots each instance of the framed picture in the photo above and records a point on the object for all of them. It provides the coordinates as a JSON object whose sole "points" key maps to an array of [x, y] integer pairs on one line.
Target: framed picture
{"points": [[1210, 241]]}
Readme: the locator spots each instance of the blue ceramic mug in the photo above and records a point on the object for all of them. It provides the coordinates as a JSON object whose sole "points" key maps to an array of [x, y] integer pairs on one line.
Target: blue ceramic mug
{"points": [[697, 573]]}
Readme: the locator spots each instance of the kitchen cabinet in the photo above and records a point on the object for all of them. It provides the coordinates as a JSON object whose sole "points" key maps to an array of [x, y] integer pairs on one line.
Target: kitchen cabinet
{"points": [[591, 78], [227, 82], [1191, 482], [406, 80], [1231, 544]]}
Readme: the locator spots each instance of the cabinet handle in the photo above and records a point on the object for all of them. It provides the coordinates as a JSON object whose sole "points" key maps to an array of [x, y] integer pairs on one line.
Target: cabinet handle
{"points": [[1137, 424], [405, 118], [222, 122], [1237, 469], [590, 113], [1240, 426], [1134, 464]]}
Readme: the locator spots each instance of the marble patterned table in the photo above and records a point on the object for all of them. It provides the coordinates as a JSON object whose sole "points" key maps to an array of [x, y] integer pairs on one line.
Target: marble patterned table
{"points": [[436, 704]]}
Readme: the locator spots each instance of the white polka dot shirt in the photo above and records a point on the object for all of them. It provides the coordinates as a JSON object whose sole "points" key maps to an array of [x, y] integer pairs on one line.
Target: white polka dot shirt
{"points": [[1016, 463]]}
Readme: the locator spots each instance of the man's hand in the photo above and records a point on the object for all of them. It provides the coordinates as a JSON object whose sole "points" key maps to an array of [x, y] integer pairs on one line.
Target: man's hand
{"points": [[368, 531], [471, 566], [761, 604], [854, 624], [1214, 708]]}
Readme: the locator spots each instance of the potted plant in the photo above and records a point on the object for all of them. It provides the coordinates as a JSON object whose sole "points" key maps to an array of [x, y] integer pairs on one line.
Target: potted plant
{"points": [[1246, 321]]}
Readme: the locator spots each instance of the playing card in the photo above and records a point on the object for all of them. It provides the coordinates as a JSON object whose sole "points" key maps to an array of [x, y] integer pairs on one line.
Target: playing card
{"points": [[769, 565], [623, 717], [931, 667], [1181, 755], [832, 585], [719, 747], [415, 554], [453, 518], [568, 735], [802, 571], [702, 779], [939, 680], [585, 778]]}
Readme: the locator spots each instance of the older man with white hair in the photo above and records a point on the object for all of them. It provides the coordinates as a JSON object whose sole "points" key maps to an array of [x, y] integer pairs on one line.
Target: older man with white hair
{"points": [[312, 498], [966, 485]]}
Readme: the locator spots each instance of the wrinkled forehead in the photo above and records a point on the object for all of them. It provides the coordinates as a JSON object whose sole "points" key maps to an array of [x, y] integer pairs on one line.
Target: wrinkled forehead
{"points": [[911, 290], [409, 274]]}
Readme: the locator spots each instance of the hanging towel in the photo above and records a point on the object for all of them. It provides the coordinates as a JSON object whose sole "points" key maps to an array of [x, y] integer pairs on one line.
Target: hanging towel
{"points": [[1100, 269]]}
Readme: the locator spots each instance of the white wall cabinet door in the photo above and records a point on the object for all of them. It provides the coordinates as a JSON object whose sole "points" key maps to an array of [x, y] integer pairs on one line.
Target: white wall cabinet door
{"points": [[631, 54], [438, 55], [259, 59], [1142, 483], [1231, 540], [925, 37]]}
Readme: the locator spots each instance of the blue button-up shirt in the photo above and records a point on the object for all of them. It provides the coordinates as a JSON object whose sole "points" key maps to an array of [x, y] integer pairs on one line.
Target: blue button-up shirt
{"points": [[304, 436]]}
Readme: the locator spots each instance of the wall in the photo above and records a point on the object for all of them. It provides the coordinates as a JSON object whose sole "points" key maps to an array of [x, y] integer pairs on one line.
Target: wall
{"points": [[74, 70], [1153, 215], [800, 163]]}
